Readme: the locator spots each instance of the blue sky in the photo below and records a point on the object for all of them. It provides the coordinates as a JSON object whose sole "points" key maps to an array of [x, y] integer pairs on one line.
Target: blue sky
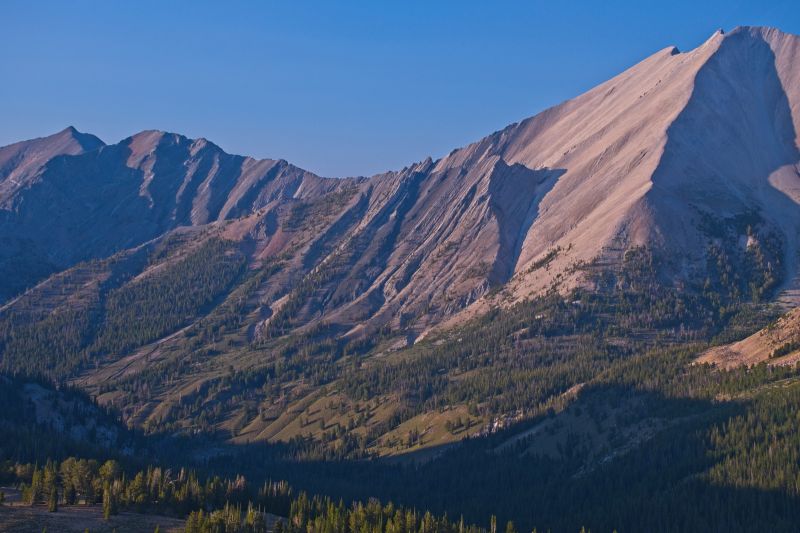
{"points": [[339, 88]]}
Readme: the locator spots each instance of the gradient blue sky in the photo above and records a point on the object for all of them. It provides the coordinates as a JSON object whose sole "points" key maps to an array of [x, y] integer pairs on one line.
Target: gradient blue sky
{"points": [[339, 88]]}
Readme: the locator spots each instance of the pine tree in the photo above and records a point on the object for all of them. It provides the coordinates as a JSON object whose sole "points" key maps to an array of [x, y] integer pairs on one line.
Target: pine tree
{"points": [[52, 499], [106, 503], [109, 501], [49, 486], [36, 490]]}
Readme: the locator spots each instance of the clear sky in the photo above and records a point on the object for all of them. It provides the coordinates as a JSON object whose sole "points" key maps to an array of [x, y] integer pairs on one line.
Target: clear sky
{"points": [[339, 88]]}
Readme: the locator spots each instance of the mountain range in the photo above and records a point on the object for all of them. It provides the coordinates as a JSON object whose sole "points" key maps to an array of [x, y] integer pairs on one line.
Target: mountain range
{"points": [[147, 270], [587, 320]]}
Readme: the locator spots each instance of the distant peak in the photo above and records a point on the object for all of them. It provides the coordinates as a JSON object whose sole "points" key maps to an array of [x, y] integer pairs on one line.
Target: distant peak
{"points": [[87, 141], [148, 134], [157, 135], [69, 131], [149, 139], [142, 144]]}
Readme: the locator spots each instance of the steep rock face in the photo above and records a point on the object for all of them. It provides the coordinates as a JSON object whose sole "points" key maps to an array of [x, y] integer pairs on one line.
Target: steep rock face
{"points": [[427, 241], [647, 158], [652, 154], [733, 148]]}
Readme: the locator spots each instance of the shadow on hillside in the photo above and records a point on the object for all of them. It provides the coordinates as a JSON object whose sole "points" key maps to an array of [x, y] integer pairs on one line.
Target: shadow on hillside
{"points": [[714, 173], [656, 485], [584, 466]]}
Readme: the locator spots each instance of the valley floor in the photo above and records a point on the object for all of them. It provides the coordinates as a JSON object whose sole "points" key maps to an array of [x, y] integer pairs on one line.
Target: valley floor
{"points": [[79, 518]]}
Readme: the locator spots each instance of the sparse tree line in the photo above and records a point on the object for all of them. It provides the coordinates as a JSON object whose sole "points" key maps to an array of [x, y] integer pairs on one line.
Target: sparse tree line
{"points": [[215, 505], [75, 481]]}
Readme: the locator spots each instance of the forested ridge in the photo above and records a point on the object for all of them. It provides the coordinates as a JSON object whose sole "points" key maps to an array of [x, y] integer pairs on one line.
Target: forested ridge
{"points": [[568, 410], [213, 504], [124, 314]]}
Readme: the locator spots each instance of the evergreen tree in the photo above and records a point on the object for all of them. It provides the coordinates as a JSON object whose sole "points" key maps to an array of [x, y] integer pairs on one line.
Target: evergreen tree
{"points": [[49, 486], [37, 489], [109, 501], [52, 499]]}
